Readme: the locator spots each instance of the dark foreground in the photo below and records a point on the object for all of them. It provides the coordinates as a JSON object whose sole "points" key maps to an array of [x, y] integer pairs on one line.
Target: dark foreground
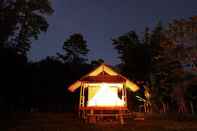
{"points": [[70, 122]]}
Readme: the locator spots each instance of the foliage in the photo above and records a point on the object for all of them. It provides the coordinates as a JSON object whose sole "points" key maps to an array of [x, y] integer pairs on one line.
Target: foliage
{"points": [[134, 55], [97, 62], [161, 58], [75, 49], [22, 20], [175, 48]]}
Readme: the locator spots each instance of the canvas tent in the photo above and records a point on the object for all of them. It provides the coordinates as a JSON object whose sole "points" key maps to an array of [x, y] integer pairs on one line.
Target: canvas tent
{"points": [[102, 89]]}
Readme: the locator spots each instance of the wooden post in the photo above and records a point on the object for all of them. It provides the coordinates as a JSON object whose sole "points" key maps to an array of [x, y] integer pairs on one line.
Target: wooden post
{"points": [[92, 117], [83, 96], [125, 95], [83, 101], [82, 113], [121, 117], [122, 90], [80, 99]]}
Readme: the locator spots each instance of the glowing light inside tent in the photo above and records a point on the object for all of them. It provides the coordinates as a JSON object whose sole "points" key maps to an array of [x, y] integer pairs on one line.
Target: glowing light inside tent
{"points": [[105, 97]]}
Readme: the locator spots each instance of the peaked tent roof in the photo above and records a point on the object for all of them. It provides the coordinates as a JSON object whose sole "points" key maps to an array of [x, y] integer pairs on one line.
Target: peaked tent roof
{"points": [[104, 73], [103, 77]]}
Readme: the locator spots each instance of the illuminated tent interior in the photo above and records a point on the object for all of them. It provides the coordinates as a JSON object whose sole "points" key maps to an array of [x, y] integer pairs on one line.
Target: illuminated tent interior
{"points": [[102, 89], [104, 95]]}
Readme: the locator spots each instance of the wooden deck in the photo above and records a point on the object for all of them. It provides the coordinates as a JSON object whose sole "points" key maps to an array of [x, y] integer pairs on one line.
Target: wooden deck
{"points": [[104, 108], [98, 114]]}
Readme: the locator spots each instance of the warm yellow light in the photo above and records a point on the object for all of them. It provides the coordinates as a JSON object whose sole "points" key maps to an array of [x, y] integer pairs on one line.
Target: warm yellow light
{"points": [[106, 96]]}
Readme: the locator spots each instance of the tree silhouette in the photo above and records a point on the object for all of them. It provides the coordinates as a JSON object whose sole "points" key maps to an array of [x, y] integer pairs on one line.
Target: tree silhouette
{"points": [[171, 48], [75, 49], [97, 62], [182, 33], [134, 56], [22, 20]]}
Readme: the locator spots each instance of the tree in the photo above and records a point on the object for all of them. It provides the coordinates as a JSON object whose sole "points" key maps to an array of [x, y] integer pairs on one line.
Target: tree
{"points": [[97, 62], [22, 20], [183, 34], [165, 67], [134, 56], [75, 49], [171, 48]]}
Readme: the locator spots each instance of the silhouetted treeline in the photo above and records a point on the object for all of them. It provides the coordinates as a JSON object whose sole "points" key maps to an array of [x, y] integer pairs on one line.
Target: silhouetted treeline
{"points": [[35, 86], [162, 62], [38, 86]]}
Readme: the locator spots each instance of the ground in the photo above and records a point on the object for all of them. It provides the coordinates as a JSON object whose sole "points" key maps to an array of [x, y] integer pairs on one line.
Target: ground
{"points": [[70, 122]]}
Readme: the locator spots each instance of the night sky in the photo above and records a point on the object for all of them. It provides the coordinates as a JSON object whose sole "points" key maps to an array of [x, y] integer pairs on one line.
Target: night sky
{"points": [[101, 20]]}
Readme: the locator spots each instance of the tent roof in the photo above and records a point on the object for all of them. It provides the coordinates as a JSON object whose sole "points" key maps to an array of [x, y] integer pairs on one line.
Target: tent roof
{"points": [[103, 74], [104, 77]]}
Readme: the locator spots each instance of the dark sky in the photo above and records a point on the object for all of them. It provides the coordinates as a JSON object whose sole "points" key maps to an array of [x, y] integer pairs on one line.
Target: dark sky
{"points": [[101, 20]]}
